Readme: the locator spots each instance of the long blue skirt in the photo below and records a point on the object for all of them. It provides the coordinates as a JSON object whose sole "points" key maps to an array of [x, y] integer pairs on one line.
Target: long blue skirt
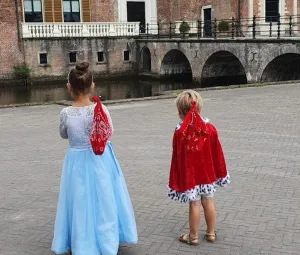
{"points": [[94, 213]]}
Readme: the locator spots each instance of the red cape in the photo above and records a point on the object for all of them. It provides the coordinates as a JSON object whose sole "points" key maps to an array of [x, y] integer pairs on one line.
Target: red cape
{"points": [[197, 159]]}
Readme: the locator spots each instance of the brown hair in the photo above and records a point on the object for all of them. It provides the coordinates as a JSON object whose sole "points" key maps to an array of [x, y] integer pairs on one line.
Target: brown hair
{"points": [[183, 102], [80, 78]]}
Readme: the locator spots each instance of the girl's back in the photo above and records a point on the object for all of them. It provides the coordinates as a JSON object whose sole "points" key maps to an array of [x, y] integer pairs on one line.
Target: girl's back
{"points": [[76, 125], [94, 213]]}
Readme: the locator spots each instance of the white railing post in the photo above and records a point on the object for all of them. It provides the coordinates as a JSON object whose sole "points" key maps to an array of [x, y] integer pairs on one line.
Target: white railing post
{"points": [[56, 32], [112, 30], [137, 28], [26, 33], [85, 31]]}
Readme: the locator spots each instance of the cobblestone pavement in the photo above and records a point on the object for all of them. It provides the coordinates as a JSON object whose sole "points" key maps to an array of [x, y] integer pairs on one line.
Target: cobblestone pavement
{"points": [[259, 213]]}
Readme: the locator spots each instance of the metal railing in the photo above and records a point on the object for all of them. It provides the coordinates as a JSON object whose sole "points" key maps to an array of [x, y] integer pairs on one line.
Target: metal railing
{"points": [[255, 27], [252, 28]]}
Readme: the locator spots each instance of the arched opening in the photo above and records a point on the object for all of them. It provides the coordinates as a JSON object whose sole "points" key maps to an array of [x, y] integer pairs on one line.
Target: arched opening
{"points": [[175, 65], [145, 60], [223, 68], [282, 68]]}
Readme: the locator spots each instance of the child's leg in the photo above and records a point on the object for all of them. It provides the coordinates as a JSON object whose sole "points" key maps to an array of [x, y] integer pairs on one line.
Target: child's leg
{"points": [[194, 218], [210, 216], [194, 221]]}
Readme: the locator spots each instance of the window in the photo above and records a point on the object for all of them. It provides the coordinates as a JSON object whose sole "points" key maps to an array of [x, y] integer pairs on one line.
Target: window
{"points": [[126, 55], [71, 10], [72, 57], [33, 11], [43, 59], [101, 57], [272, 10]]}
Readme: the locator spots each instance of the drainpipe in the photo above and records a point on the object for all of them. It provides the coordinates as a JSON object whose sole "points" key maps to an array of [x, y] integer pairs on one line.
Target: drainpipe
{"points": [[20, 41], [239, 18], [17, 16]]}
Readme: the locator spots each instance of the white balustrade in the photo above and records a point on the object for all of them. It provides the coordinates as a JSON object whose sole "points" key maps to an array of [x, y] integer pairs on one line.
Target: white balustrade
{"points": [[93, 29]]}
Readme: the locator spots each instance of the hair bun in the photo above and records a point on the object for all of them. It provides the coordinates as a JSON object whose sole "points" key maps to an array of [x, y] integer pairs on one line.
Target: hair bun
{"points": [[82, 67]]}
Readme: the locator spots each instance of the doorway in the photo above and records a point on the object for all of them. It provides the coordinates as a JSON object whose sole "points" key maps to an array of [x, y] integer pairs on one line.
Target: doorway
{"points": [[136, 13], [207, 22]]}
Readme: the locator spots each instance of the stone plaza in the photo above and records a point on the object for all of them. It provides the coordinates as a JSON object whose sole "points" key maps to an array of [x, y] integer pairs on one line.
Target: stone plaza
{"points": [[258, 213]]}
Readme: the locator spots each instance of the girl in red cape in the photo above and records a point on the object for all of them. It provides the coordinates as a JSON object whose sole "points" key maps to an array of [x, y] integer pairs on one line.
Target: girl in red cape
{"points": [[198, 165]]}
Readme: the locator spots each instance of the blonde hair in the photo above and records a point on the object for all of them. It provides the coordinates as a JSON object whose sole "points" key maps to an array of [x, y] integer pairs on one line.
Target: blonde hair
{"points": [[183, 102]]}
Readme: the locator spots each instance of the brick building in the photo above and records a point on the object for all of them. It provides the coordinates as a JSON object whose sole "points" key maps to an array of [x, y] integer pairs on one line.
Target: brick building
{"points": [[10, 39], [50, 35]]}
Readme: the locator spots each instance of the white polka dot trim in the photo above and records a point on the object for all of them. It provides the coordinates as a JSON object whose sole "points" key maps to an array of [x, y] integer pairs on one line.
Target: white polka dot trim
{"points": [[202, 189]]}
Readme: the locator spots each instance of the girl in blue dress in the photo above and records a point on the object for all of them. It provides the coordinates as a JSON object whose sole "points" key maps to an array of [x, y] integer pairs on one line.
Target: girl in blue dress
{"points": [[94, 213]]}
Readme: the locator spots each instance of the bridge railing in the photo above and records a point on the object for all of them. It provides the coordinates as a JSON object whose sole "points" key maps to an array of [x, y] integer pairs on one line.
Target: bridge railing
{"points": [[275, 27]]}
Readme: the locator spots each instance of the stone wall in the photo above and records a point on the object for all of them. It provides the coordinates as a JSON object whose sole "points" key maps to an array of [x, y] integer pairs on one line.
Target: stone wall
{"points": [[252, 55], [86, 50]]}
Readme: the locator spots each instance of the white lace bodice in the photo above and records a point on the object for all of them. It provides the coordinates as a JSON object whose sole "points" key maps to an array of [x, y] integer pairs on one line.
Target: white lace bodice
{"points": [[76, 125]]}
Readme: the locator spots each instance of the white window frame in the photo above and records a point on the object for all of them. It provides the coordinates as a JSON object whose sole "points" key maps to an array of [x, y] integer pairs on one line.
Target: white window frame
{"points": [[202, 12], [129, 52], [39, 58], [262, 12], [70, 52], [280, 8], [43, 12], [150, 10], [104, 57], [80, 9]]}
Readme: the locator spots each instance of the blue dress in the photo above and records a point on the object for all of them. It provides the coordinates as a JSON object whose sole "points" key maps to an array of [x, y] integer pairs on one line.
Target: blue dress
{"points": [[94, 213]]}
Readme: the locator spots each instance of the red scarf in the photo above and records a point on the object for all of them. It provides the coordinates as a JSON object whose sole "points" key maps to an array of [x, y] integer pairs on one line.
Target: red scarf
{"points": [[197, 154], [101, 129]]}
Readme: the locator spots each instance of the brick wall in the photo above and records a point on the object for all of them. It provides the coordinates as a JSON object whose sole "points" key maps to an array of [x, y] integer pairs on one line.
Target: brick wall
{"points": [[164, 13], [244, 9], [10, 49], [104, 10], [223, 9], [256, 7], [288, 7], [178, 10], [190, 10]]}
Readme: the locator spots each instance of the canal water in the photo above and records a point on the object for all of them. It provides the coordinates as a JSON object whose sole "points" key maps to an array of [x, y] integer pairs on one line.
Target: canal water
{"points": [[107, 89]]}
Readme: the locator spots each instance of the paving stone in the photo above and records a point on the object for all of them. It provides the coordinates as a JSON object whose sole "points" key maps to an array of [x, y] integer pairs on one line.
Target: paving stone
{"points": [[257, 214]]}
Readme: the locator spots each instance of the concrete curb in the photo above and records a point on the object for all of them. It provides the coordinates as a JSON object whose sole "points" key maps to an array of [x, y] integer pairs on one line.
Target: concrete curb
{"points": [[167, 95], [27, 104]]}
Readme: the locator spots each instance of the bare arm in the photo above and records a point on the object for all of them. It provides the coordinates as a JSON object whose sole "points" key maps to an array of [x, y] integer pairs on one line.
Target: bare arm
{"points": [[63, 124], [108, 117]]}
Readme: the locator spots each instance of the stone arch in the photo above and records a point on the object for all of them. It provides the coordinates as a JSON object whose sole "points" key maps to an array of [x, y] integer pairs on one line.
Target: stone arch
{"points": [[175, 64], [145, 60], [223, 68], [284, 67]]}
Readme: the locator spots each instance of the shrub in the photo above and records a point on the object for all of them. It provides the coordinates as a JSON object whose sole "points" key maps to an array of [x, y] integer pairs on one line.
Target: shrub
{"points": [[184, 28], [22, 71]]}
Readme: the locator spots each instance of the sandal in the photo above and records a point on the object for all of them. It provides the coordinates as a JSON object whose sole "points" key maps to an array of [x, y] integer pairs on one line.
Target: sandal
{"points": [[210, 237], [190, 240]]}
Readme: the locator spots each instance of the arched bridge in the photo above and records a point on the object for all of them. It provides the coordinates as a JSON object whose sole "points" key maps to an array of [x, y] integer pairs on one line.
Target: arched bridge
{"points": [[222, 62]]}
